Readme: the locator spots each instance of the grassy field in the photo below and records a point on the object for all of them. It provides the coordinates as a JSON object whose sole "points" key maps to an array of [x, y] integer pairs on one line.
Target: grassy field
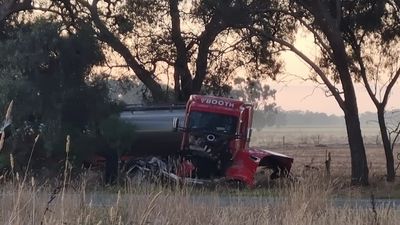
{"points": [[310, 157], [309, 199], [309, 146]]}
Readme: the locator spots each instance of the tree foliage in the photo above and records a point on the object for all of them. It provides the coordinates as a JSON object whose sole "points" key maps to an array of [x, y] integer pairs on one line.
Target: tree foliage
{"points": [[46, 72], [196, 41]]}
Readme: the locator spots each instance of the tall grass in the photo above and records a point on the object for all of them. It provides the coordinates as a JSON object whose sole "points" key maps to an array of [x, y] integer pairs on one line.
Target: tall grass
{"points": [[307, 202]]}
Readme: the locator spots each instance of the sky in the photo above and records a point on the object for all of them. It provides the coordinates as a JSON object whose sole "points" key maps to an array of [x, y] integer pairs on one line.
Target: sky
{"points": [[306, 97], [293, 93]]}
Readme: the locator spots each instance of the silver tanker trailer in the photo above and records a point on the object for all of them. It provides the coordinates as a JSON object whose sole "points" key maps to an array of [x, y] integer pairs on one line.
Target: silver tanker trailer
{"points": [[154, 133]]}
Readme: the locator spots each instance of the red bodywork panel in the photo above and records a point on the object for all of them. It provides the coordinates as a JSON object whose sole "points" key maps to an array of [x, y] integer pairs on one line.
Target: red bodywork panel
{"points": [[284, 162], [245, 164], [243, 168]]}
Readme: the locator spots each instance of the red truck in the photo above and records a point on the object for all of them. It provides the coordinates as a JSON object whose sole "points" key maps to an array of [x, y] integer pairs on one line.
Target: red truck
{"points": [[209, 139]]}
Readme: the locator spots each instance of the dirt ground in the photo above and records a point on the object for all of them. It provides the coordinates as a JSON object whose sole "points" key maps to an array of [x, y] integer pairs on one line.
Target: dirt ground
{"points": [[310, 146], [311, 157], [309, 160]]}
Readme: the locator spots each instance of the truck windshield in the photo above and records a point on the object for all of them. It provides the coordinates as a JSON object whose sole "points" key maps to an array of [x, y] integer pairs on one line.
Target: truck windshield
{"points": [[214, 122]]}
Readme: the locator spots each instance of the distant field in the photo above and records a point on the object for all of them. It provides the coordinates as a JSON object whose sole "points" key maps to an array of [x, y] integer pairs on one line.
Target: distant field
{"points": [[309, 146], [315, 157], [310, 135]]}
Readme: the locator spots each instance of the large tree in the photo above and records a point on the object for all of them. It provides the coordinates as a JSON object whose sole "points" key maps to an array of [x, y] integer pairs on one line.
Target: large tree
{"points": [[372, 37], [196, 41], [363, 38], [324, 20]]}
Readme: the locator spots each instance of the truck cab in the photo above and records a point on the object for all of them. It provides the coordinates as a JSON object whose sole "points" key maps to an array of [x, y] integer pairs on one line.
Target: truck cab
{"points": [[215, 141], [214, 119]]}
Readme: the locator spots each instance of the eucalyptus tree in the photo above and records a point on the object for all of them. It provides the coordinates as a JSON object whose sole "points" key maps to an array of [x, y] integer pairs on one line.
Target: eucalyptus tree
{"points": [[372, 37], [359, 41], [334, 68], [202, 43]]}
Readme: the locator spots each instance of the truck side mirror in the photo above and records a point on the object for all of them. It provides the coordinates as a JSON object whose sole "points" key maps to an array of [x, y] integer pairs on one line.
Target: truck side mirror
{"points": [[175, 124], [248, 134]]}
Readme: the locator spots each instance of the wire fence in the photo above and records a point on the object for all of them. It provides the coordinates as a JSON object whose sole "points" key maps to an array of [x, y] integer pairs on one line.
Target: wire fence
{"points": [[316, 136]]}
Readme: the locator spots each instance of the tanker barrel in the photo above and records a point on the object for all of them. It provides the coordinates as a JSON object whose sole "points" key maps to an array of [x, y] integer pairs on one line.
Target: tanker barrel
{"points": [[140, 107], [154, 133]]}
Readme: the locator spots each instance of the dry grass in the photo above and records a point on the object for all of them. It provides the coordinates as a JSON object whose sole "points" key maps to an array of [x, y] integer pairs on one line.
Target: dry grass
{"points": [[306, 202], [311, 200], [316, 156], [310, 158], [312, 154]]}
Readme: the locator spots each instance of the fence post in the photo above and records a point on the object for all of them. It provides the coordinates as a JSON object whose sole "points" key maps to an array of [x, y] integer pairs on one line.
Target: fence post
{"points": [[283, 141], [328, 163]]}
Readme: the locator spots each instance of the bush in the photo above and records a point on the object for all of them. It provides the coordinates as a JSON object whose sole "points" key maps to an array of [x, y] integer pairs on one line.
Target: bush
{"points": [[50, 80]]}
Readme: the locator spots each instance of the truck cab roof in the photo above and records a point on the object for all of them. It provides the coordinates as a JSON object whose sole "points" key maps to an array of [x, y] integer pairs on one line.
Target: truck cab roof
{"points": [[216, 104]]}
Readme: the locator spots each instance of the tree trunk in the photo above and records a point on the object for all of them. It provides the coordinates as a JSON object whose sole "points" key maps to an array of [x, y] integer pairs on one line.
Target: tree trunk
{"points": [[207, 38], [386, 145], [359, 167], [182, 75], [201, 65]]}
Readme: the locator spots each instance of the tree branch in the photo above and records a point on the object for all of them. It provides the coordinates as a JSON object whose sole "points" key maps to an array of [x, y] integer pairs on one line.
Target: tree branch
{"points": [[108, 37], [316, 68], [306, 25], [207, 37], [390, 86], [363, 72]]}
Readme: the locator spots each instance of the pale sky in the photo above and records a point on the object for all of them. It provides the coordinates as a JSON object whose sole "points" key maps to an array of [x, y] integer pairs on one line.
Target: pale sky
{"points": [[293, 93], [307, 97], [296, 94]]}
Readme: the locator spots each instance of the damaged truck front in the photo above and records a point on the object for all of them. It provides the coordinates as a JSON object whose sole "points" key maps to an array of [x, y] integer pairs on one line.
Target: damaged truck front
{"points": [[209, 140]]}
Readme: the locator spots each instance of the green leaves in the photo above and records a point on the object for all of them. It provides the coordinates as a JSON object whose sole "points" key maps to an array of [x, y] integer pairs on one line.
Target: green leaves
{"points": [[47, 74]]}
